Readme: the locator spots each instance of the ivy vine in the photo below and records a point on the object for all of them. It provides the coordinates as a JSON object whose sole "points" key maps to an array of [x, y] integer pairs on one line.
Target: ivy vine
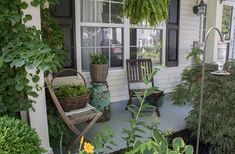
{"points": [[21, 48]]}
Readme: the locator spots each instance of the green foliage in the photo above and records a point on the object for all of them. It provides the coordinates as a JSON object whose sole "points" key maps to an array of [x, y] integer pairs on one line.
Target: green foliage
{"points": [[150, 11], [67, 91], [103, 140], [16, 137], [22, 47], [98, 58], [218, 124], [195, 54], [159, 144], [57, 127], [135, 123]]}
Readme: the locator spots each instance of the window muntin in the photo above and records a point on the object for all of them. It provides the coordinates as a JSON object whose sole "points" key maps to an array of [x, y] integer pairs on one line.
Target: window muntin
{"points": [[146, 43]]}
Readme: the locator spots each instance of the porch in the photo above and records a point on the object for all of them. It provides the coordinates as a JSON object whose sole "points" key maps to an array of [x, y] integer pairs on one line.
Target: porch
{"points": [[85, 35]]}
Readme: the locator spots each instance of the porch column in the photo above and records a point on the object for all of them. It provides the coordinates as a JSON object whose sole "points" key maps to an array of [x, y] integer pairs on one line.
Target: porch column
{"points": [[38, 118], [214, 18]]}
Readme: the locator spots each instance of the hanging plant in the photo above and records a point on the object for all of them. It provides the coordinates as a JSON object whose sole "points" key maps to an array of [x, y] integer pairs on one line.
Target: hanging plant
{"points": [[152, 12]]}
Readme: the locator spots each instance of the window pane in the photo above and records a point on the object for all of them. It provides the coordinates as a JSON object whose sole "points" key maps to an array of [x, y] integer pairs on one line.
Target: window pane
{"points": [[87, 11], [116, 36], [102, 37], [149, 53], [88, 36], [146, 43], [86, 58], [102, 12], [116, 13], [68, 41], [109, 36], [227, 21], [116, 56]]}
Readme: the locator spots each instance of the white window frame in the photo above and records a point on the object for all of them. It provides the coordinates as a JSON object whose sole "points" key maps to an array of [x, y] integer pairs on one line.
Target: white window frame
{"points": [[126, 37], [232, 40]]}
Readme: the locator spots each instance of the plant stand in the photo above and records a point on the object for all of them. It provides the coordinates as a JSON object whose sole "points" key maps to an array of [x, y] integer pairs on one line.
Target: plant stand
{"points": [[100, 98]]}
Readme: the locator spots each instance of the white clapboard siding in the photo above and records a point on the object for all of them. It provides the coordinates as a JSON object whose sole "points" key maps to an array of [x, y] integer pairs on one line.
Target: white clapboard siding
{"points": [[167, 78]]}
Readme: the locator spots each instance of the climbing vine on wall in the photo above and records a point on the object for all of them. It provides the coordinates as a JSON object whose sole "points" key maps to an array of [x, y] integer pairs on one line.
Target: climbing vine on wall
{"points": [[21, 48]]}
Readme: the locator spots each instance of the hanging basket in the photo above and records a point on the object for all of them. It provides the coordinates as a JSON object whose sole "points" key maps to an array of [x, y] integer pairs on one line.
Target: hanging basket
{"points": [[75, 102]]}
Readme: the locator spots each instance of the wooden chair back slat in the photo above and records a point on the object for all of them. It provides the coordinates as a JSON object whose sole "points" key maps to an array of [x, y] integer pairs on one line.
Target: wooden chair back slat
{"points": [[137, 69]]}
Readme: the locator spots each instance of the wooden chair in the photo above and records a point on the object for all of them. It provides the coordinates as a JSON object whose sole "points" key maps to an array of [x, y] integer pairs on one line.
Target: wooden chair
{"points": [[88, 114], [135, 75]]}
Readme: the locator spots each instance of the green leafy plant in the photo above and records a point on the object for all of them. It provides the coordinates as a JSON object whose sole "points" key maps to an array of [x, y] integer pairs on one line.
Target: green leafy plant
{"points": [[218, 125], [195, 55], [135, 122], [103, 140], [150, 11], [98, 58], [21, 48], [16, 137], [57, 127], [159, 144], [72, 91]]}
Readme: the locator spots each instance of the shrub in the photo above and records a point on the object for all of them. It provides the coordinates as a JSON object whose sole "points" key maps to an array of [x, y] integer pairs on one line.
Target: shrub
{"points": [[218, 124], [16, 137]]}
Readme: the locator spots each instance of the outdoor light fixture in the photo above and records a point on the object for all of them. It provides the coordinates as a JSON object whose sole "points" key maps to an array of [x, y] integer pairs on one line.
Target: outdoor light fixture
{"points": [[221, 59], [200, 9]]}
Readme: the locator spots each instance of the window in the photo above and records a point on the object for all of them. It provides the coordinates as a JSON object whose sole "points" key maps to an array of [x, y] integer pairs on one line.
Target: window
{"points": [[101, 28], [227, 29], [146, 43], [64, 14], [227, 21]]}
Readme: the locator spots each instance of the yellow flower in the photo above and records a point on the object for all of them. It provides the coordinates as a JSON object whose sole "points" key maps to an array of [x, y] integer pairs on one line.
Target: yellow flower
{"points": [[88, 148]]}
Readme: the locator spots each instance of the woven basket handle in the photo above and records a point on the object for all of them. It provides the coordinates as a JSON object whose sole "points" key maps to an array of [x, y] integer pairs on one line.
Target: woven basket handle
{"points": [[70, 70]]}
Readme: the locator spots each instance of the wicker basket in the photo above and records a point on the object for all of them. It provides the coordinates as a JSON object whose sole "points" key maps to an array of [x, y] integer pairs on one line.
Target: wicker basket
{"points": [[72, 103], [99, 72]]}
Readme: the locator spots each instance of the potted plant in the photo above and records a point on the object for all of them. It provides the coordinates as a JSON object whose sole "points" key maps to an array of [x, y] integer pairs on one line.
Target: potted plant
{"points": [[72, 97], [99, 67]]}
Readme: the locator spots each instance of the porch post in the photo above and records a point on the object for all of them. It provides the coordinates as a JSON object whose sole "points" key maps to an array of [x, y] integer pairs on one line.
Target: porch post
{"points": [[214, 18], [38, 118]]}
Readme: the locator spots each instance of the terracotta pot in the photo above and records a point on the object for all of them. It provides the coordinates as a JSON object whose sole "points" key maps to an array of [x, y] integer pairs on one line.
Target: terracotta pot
{"points": [[99, 72]]}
